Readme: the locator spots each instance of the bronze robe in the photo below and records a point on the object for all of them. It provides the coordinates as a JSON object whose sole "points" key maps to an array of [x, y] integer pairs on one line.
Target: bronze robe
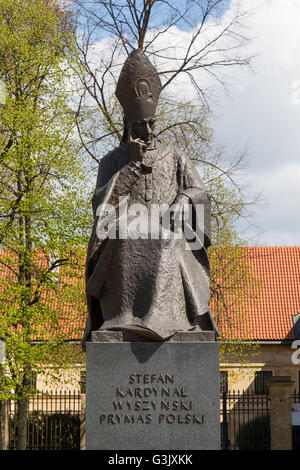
{"points": [[154, 287]]}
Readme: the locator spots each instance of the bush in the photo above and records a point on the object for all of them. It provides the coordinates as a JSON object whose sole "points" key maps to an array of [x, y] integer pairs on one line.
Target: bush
{"points": [[53, 431], [254, 435], [296, 437]]}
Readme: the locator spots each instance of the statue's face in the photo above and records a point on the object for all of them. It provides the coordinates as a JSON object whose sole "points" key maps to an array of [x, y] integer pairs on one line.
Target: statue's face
{"points": [[143, 130]]}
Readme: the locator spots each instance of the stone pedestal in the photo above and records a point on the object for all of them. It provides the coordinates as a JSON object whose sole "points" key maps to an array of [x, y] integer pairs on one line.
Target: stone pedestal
{"points": [[152, 396], [280, 389], [82, 384]]}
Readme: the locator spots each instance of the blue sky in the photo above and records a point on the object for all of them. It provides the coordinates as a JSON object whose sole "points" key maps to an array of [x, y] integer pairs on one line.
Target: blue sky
{"points": [[161, 11], [260, 109]]}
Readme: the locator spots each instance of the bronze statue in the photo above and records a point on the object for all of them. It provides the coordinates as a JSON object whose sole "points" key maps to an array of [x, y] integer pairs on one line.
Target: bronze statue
{"points": [[153, 286]]}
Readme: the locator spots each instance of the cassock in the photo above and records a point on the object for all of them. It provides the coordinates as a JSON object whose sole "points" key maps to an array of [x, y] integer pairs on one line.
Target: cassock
{"points": [[152, 285]]}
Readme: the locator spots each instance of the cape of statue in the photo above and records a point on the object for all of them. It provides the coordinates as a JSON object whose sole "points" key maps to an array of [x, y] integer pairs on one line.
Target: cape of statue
{"points": [[151, 285]]}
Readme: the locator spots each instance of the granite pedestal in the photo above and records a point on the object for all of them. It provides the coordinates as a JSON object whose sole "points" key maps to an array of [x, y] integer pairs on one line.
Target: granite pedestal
{"points": [[152, 396]]}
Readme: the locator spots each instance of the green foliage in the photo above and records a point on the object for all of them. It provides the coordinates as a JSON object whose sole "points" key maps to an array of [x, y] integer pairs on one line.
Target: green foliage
{"points": [[254, 435], [45, 214], [233, 282]]}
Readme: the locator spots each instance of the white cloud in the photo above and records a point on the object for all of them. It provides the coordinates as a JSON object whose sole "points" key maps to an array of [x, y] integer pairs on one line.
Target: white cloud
{"points": [[278, 219], [261, 109]]}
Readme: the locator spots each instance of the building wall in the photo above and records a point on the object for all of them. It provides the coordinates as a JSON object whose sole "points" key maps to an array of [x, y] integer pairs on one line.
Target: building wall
{"points": [[241, 369], [272, 357], [65, 380]]}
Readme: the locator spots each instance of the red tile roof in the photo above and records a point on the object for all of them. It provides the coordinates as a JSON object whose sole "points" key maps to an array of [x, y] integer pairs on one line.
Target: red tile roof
{"points": [[66, 298], [268, 318]]}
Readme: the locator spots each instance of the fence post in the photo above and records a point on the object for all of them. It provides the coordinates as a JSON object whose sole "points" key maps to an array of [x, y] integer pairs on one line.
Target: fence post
{"points": [[4, 429], [82, 410], [225, 441], [280, 389]]}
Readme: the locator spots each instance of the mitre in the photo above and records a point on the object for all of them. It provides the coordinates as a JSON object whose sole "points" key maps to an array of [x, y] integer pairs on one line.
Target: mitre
{"points": [[138, 87]]}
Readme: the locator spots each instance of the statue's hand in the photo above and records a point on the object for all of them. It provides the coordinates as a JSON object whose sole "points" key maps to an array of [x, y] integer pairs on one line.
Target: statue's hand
{"points": [[178, 206], [137, 149]]}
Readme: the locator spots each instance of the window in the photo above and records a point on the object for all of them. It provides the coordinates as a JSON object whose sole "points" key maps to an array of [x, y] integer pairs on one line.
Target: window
{"points": [[223, 381], [261, 381]]}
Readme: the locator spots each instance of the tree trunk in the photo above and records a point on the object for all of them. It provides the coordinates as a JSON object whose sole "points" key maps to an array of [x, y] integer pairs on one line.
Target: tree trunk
{"points": [[24, 280], [23, 406], [4, 438]]}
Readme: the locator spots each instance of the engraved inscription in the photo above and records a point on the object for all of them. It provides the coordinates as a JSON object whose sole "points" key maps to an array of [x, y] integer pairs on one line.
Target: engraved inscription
{"points": [[149, 398]]}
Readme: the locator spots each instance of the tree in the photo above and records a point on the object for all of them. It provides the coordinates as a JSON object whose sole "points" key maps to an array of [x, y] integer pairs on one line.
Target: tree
{"points": [[215, 41], [43, 204], [188, 41]]}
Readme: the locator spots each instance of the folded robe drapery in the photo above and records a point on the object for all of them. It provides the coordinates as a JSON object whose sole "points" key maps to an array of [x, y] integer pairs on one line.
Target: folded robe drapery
{"points": [[154, 286]]}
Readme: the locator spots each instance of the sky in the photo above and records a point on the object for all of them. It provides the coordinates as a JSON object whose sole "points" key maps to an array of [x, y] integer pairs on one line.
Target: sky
{"points": [[262, 111], [259, 110]]}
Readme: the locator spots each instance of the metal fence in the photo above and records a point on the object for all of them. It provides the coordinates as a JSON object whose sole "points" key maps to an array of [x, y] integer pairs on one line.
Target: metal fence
{"points": [[296, 429], [53, 422], [245, 421]]}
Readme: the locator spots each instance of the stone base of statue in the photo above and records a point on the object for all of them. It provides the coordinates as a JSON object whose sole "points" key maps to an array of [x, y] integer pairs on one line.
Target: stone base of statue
{"points": [[152, 395]]}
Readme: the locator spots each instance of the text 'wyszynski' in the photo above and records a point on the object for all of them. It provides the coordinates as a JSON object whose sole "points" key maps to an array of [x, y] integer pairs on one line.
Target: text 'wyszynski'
{"points": [[154, 222]]}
